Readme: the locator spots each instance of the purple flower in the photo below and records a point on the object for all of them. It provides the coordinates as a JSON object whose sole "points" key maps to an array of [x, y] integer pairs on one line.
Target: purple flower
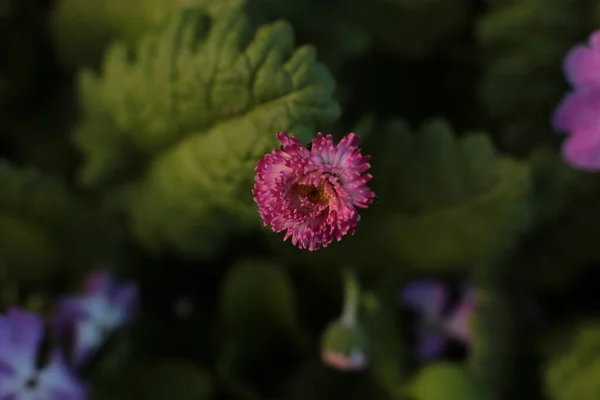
{"points": [[20, 336], [312, 194], [429, 299], [88, 319], [578, 114]]}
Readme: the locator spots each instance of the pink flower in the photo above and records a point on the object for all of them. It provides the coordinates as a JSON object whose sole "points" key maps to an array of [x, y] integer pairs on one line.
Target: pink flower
{"points": [[578, 114], [312, 193]]}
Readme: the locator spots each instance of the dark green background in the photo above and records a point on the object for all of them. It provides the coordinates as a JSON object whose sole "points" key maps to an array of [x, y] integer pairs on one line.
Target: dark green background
{"points": [[113, 159]]}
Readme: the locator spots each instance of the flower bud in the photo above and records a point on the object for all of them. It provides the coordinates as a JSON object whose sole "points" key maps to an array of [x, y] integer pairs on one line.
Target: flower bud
{"points": [[344, 347], [344, 342]]}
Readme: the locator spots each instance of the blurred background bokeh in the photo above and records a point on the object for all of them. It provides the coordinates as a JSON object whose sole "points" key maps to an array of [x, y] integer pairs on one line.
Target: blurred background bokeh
{"points": [[129, 133]]}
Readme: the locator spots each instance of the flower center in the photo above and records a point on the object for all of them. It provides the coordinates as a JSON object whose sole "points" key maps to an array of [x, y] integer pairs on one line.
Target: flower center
{"points": [[314, 194], [32, 382]]}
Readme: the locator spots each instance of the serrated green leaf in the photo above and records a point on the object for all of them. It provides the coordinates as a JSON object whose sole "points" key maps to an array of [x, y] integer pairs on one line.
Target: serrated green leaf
{"points": [[201, 102], [443, 201], [525, 42], [456, 201], [446, 381], [448, 200], [166, 380], [572, 374], [258, 295]]}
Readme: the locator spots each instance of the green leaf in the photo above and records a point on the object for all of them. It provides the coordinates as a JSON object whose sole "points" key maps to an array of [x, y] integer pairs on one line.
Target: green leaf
{"points": [[191, 114], [257, 296], [166, 380], [315, 381], [348, 341], [525, 42], [492, 354], [572, 372], [443, 201], [43, 225], [553, 184], [389, 355], [258, 309], [446, 381], [451, 201], [568, 224], [82, 29]]}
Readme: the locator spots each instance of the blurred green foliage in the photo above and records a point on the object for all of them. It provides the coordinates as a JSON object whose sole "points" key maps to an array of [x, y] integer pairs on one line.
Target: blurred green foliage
{"points": [[129, 133], [572, 369]]}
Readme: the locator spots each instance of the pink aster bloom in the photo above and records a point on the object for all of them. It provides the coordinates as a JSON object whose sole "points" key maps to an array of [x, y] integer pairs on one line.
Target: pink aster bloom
{"points": [[312, 193], [578, 114]]}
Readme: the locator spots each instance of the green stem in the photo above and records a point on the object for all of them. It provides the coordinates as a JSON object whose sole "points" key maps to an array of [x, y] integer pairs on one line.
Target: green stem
{"points": [[351, 297]]}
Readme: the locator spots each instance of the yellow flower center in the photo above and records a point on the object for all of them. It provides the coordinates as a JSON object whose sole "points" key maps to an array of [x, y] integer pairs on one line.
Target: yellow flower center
{"points": [[314, 194]]}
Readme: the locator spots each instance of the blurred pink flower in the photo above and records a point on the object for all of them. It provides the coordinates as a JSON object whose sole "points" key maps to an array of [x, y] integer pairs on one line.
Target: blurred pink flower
{"points": [[312, 193], [578, 114]]}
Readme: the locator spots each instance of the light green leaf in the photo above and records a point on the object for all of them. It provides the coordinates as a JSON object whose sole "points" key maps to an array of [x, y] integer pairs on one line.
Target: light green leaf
{"points": [[257, 296], [446, 381], [572, 372], [200, 103]]}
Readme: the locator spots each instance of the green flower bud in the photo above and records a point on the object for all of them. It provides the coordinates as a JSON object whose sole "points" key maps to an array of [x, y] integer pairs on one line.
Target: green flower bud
{"points": [[344, 345]]}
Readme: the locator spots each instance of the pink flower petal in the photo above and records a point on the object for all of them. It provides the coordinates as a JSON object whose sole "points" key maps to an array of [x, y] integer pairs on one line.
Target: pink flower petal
{"points": [[582, 64], [581, 150], [578, 111]]}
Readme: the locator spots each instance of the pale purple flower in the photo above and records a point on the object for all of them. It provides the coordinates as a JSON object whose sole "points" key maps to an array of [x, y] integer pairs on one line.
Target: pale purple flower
{"points": [[578, 114], [434, 327], [21, 333], [87, 320], [312, 193]]}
